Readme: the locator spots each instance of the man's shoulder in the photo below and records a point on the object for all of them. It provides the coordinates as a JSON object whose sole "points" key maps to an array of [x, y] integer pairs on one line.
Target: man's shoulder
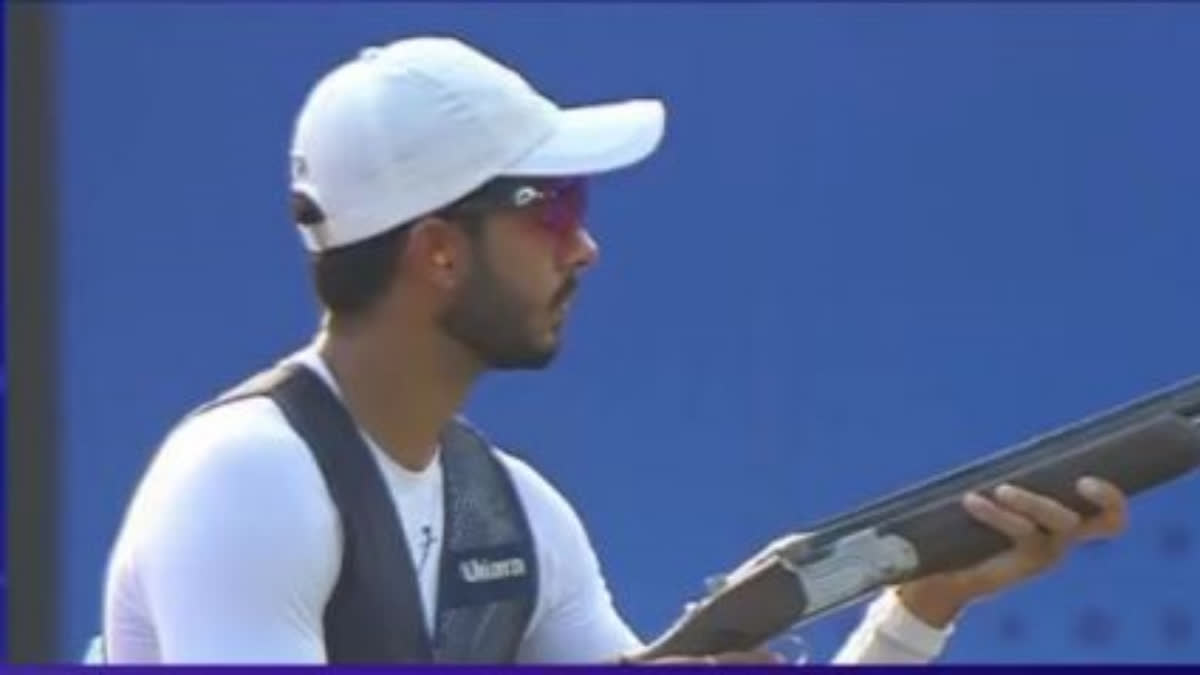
{"points": [[231, 494], [549, 511], [231, 477], [244, 446], [253, 425], [525, 477]]}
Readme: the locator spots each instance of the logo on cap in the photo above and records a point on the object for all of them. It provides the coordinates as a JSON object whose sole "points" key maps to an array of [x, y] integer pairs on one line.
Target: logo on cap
{"points": [[526, 196]]}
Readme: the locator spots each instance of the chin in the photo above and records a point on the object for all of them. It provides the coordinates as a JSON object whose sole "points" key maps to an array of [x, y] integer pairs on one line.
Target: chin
{"points": [[527, 361], [531, 357]]}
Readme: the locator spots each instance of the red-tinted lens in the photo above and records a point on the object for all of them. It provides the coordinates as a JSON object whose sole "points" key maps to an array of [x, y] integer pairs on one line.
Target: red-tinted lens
{"points": [[567, 205]]}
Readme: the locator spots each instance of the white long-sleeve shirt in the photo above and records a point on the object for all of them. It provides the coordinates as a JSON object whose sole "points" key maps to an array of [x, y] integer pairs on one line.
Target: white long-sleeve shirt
{"points": [[231, 548]]}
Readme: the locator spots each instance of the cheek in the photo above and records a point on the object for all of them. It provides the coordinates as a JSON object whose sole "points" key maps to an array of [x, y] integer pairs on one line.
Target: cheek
{"points": [[528, 259], [509, 282], [529, 286]]}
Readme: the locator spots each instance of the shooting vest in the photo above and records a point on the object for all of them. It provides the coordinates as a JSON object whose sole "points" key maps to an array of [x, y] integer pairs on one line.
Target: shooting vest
{"points": [[487, 585]]}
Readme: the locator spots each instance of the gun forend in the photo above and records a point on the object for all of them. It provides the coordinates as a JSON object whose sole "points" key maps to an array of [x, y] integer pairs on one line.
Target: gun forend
{"points": [[1135, 459], [1181, 398]]}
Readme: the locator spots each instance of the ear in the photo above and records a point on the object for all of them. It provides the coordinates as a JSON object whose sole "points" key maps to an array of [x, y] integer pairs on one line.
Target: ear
{"points": [[437, 253]]}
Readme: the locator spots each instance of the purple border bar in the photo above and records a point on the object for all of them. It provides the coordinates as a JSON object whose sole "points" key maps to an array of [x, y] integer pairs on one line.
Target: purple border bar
{"points": [[491, 670]]}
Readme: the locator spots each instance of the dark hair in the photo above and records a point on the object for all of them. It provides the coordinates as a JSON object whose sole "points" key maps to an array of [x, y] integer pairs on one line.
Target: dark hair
{"points": [[349, 280]]}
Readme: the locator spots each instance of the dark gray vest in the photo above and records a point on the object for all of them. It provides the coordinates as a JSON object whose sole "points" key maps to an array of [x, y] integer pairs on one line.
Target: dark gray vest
{"points": [[487, 584]]}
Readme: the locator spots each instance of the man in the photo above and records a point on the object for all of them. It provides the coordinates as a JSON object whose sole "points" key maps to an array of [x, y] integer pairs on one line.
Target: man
{"points": [[336, 509]]}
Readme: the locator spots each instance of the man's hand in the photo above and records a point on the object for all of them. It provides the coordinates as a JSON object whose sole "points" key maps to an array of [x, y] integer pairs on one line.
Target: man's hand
{"points": [[1042, 531]]}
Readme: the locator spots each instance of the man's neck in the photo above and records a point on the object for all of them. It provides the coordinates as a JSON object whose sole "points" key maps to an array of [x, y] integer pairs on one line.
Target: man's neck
{"points": [[401, 388]]}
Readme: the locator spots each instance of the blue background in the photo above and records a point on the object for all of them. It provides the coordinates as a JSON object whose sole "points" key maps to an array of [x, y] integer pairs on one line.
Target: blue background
{"points": [[879, 240]]}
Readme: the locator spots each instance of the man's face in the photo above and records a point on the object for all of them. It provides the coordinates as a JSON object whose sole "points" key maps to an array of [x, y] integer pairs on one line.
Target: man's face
{"points": [[524, 269]]}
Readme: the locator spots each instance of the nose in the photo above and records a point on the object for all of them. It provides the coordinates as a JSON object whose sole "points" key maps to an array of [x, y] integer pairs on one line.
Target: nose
{"points": [[582, 249]]}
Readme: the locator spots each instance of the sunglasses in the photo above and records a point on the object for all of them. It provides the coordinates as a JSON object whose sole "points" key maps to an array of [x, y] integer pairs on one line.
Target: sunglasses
{"points": [[558, 204]]}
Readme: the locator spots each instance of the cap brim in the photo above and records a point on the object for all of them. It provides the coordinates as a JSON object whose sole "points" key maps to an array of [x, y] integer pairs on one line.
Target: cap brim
{"points": [[596, 139]]}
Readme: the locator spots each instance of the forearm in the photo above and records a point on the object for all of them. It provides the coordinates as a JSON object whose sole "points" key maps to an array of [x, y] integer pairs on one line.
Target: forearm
{"points": [[891, 633]]}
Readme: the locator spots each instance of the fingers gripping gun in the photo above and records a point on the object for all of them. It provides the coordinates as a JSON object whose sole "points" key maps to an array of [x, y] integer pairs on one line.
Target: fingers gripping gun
{"points": [[924, 530]]}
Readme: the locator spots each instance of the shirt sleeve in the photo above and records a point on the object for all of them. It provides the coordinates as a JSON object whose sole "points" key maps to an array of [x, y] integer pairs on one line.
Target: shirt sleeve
{"points": [[576, 620], [890, 634], [234, 545]]}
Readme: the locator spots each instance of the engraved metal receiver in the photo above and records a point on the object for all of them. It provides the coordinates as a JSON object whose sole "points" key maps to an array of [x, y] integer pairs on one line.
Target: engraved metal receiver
{"points": [[863, 560]]}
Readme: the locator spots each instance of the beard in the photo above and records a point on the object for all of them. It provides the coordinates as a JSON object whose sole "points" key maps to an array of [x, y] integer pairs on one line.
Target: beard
{"points": [[495, 324]]}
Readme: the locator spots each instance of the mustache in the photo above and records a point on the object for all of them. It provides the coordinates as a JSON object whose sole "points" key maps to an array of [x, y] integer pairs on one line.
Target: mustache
{"points": [[563, 294]]}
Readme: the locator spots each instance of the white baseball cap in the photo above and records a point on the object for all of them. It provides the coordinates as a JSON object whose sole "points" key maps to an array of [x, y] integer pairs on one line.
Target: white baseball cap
{"points": [[411, 127]]}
